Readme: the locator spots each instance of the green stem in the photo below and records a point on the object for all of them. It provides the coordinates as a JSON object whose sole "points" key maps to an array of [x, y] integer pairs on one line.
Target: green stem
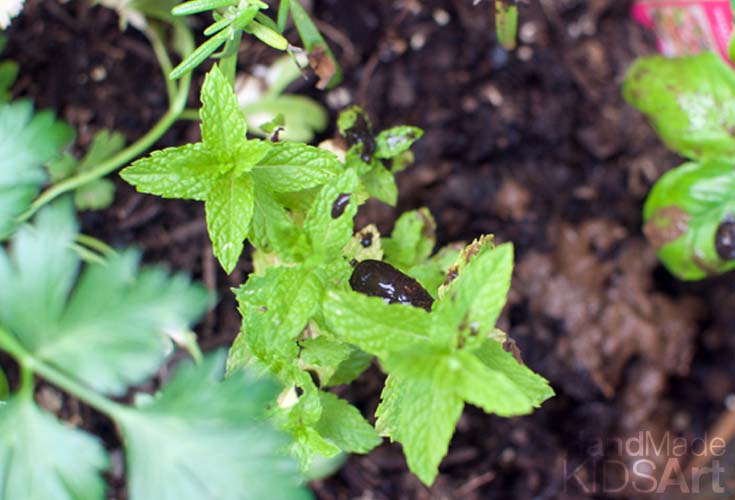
{"points": [[176, 106], [95, 244], [30, 365], [164, 62], [228, 64], [190, 114]]}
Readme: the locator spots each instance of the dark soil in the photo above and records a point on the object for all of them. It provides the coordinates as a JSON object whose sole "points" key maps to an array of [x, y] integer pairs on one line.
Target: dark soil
{"points": [[535, 146]]}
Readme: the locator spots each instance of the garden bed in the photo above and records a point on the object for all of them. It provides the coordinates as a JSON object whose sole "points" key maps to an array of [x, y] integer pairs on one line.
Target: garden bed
{"points": [[535, 146]]}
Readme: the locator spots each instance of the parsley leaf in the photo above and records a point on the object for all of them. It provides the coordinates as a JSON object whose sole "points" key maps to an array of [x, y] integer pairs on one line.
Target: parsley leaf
{"points": [[42, 459], [203, 437], [27, 142], [111, 326]]}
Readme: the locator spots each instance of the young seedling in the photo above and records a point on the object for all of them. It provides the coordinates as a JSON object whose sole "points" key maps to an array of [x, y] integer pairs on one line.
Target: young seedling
{"points": [[689, 101]]}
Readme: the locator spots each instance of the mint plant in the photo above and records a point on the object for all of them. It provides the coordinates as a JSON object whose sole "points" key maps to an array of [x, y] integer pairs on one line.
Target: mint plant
{"points": [[688, 214], [302, 322]]}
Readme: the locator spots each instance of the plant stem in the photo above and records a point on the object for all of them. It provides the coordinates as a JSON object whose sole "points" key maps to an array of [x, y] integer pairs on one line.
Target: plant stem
{"points": [[29, 365], [164, 62], [95, 244], [190, 114], [176, 106], [228, 64]]}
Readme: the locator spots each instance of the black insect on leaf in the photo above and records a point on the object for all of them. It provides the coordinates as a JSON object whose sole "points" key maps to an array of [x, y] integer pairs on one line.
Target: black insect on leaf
{"points": [[378, 279], [725, 239], [339, 205]]}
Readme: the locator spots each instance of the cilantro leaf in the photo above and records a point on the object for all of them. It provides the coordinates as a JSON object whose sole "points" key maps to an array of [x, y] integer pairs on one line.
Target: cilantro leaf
{"points": [[206, 438], [111, 328], [689, 100], [96, 195], [682, 214], [42, 459], [27, 142], [342, 423]]}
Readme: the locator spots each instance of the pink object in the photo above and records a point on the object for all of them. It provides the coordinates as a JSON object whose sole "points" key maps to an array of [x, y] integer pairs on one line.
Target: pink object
{"points": [[687, 26]]}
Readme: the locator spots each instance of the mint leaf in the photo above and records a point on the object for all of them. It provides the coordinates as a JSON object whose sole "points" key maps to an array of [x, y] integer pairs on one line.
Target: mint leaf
{"points": [[374, 326], [421, 413], [42, 459], [276, 308], [477, 296], [412, 239], [323, 356], [532, 386], [365, 244], [433, 272], [394, 141], [689, 100], [27, 142], [206, 438], [682, 214], [343, 424], [291, 166], [273, 229], [381, 184], [226, 169], [111, 328], [223, 125], [187, 172], [351, 368], [329, 222], [229, 209]]}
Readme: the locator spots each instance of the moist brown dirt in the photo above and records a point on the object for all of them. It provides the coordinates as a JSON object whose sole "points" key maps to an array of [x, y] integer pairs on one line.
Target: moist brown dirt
{"points": [[535, 146]]}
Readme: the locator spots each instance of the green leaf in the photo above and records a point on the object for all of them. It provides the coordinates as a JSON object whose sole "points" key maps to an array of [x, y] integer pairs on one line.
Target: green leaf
{"points": [[229, 210], [394, 141], [381, 184], [534, 387], [412, 239], [374, 326], [303, 116], [27, 142], [329, 223], [206, 438], [365, 244], [322, 356], [421, 413], [200, 54], [273, 229], [96, 195], [351, 368], [689, 100], [312, 39], [105, 144], [223, 125], [432, 273], [8, 75], [476, 297], [112, 329], [276, 308], [187, 172], [506, 23], [197, 6], [42, 459], [343, 424], [292, 166], [682, 214]]}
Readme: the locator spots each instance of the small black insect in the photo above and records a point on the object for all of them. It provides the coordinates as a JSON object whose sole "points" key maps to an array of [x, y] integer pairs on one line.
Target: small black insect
{"points": [[725, 239], [378, 279], [339, 205]]}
